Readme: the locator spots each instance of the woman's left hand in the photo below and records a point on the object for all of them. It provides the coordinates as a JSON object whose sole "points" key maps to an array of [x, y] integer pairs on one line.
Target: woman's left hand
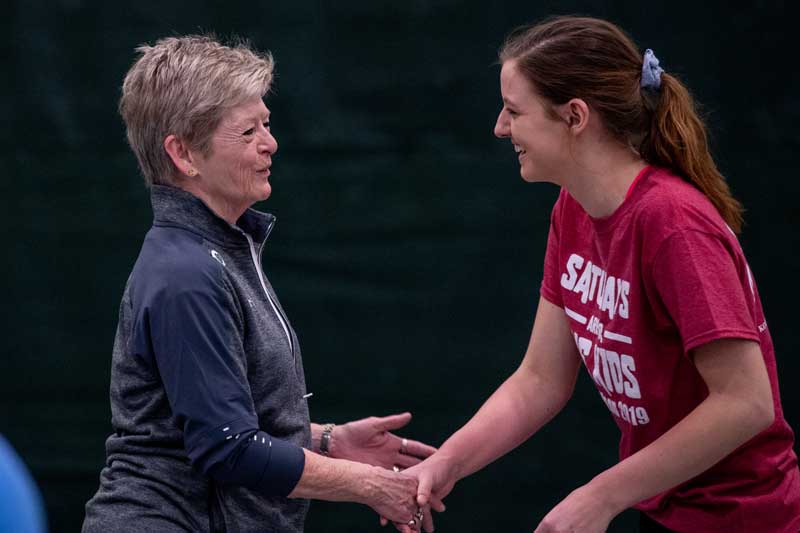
{"points": [[582, 511], [369, 441]]}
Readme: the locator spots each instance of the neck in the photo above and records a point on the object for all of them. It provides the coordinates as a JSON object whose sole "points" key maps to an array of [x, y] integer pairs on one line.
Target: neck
{"points": [[224, 209], [600, 184]]}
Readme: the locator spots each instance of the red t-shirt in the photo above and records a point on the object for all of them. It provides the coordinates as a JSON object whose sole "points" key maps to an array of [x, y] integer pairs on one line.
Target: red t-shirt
{"points": [[662, 275]]}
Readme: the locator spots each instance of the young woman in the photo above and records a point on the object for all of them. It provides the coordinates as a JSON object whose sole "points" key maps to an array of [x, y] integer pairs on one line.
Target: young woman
{"points": [[645, 284]]}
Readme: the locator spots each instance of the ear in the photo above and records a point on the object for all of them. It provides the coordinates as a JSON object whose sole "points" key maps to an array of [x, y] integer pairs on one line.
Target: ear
{"points": [[182, 157], [576, 115]]}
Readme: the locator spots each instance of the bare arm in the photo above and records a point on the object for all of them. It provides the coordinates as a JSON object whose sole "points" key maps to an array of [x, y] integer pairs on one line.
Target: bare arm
{"points": [[390, 494], [738, 407], [526, 401]]}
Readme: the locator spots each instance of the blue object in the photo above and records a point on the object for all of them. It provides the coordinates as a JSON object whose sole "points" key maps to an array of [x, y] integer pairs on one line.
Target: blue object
{"points": [[651, 72], [21, 509]]}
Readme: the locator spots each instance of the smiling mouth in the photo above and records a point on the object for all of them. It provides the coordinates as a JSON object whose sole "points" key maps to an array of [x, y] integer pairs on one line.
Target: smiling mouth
{"points": [[519, 150]]}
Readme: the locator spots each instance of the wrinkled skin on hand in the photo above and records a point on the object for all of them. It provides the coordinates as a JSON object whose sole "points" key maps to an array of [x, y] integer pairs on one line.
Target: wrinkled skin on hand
{"points": [[436, 480], [393, 495]]}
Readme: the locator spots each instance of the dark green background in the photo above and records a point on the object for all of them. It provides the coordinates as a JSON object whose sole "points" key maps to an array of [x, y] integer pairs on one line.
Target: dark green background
{"points": [[408, 251]]}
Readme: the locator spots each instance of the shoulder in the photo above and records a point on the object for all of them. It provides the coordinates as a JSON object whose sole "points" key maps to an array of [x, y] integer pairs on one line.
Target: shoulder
{"points": [[669, 204], [175, 261], [673, 211]]}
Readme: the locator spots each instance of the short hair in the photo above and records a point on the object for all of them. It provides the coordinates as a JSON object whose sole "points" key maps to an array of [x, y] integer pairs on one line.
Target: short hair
{"points": [[183, 86]]}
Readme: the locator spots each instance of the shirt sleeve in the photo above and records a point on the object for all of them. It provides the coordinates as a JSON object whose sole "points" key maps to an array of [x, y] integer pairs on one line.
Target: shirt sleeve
{"points": [[702, 283], [199, 353], [551, 287]]}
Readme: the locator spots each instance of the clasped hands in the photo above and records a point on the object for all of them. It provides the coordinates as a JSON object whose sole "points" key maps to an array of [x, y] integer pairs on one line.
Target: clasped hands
{"points": [[415, 480], [370, 441]]}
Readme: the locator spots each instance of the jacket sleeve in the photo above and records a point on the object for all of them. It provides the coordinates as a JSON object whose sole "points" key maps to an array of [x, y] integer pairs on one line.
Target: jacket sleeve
{"points": [[196, 338]]}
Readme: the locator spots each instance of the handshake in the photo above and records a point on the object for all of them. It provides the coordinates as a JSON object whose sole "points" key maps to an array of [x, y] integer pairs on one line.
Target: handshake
{"points": [[400, 479]]}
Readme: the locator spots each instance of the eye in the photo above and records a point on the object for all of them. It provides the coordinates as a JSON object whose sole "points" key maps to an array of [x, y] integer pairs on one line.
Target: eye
{"points": [[249, 132], [266, 125], [512, 112]]}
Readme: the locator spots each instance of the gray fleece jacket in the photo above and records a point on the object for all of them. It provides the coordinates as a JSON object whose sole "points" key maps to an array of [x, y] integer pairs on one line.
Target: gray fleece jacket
{"points": [[207, 384]]}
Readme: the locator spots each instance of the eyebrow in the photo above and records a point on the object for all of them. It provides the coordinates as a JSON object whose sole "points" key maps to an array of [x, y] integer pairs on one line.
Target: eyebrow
{"points": [[246, 121]]}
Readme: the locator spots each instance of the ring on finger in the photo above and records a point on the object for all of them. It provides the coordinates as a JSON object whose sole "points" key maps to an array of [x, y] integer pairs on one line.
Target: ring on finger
{"points": [[412, 522], [396, 468], [419, 514], [404, 446]]}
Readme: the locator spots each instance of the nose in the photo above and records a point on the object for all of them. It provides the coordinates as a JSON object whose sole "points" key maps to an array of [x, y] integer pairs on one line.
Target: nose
{"points": [[502, 127], [268, 143]]}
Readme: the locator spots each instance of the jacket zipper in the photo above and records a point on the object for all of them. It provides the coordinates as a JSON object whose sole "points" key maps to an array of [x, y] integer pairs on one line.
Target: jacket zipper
{"points": [[257, 264]]}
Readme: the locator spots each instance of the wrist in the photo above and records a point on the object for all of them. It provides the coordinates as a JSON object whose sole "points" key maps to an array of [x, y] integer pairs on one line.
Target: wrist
{"points": [[447, 468], [602, 489], [452, 467], [365, 482], [326, 439]]}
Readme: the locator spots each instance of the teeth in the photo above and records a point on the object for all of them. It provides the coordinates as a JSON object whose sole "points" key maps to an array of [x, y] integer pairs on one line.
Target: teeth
{"points": [[518, 149]]}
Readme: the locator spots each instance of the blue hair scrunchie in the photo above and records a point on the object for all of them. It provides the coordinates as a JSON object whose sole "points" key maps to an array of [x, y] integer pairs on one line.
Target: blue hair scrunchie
{"points": [[651, 72]]}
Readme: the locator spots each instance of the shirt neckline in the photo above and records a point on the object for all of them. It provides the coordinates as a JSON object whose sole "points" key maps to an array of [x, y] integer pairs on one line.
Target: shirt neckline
{"points": [[607, 223]]}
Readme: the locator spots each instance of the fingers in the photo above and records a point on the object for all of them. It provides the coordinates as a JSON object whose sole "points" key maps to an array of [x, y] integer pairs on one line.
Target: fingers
{"points": [[423, 490], [427, 520], [418, 449], [406, 461], [390, 422], [437, 504], [407, 528]]}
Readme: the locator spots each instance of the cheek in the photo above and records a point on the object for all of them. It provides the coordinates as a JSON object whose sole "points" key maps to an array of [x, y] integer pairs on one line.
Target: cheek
{"points": [[242, 172]]}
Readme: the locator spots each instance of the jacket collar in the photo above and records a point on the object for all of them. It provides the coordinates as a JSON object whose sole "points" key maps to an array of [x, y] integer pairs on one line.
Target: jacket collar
{"points": [[175, 207]]}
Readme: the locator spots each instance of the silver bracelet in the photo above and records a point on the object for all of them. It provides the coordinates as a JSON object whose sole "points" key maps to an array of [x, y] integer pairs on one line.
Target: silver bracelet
{"points": [[325, 439]]}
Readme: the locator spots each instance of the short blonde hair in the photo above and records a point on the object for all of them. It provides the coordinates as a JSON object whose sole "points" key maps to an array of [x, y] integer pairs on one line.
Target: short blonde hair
{"points": [[183, 86]]}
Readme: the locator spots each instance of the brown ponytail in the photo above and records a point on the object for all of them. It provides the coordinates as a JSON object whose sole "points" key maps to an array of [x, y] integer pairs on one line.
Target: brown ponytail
{"points": [[592, 59], [677, 140]]}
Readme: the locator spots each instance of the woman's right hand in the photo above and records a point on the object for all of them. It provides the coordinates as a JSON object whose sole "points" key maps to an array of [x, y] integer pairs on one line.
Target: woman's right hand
{"points": [[392, 495], [437, 476]]}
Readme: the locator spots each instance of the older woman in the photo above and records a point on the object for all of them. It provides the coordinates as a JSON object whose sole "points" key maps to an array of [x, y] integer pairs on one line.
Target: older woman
{"points": [[208, 398]]}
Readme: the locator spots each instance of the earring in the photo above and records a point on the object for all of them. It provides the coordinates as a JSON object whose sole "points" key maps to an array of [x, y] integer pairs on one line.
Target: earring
{"points": [[192, 172]]}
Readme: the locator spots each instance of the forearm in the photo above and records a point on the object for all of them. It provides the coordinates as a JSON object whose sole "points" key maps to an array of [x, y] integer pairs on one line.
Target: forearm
{"points": [[333, 480], [714, 429], [516, 410]]}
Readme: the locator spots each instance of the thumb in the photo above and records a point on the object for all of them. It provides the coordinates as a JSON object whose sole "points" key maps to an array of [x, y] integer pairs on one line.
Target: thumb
{"points": [[423, 490], [390, 422]]}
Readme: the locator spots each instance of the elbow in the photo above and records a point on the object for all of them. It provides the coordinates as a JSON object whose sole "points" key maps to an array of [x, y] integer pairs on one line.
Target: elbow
{"points": [[759, 414], [219, 462], [222, 471], [765, 415], [217, 467], [560, 401], [565, 392]]}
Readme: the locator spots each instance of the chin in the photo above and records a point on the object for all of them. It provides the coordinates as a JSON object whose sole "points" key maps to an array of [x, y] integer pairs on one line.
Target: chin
{"points": [[530, 177], [264, 192]]}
